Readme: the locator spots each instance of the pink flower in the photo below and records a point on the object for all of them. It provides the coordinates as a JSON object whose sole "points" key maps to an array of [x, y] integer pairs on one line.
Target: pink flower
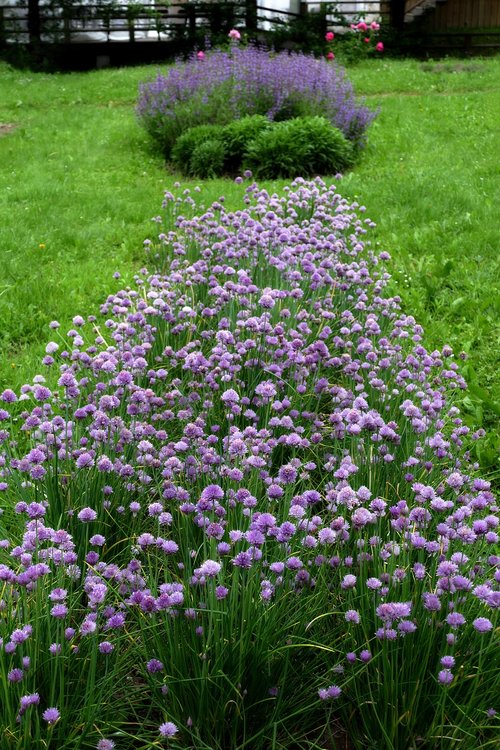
{"points": [[374, 26], [362, 26], [200, 55], [367, 40], [329, 36], [234, 34], [379, 47], [330, 56]]}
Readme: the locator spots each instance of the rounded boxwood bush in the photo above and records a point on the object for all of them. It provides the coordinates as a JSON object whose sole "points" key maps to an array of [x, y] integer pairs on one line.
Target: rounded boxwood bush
{"points": [[302, 146], [238, 134], [187, 143], [207, 159]]}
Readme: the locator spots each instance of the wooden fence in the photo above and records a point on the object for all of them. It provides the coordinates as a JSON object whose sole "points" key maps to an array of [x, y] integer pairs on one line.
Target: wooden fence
{"points": [[83, 33], [464, 14], [66, 21]]}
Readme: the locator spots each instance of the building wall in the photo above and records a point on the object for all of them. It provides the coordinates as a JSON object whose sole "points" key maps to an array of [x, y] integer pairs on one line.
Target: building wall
{"points": [[463, 14]]}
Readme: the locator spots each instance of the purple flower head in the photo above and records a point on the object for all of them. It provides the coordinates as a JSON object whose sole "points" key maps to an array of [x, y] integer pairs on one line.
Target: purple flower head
{"points": [[447, 661], [221, 592], [59, 611], [51, 715], [230, 397], [210, 568], [15, 675], [28, 700], [445, 677], [352, 616], [58, 595], [86, 515], [329, 693], [105, 647], [154, 665], [167, 729], [482, 624], [348, 582], [212, 492], [455, 619], [97, 540], [105, 744]]}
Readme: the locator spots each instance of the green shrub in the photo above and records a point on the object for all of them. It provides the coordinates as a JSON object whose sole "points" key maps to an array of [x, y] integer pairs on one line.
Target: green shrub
{"points": [[187, 143], [302, 146], [207, 159], [238, 134]]}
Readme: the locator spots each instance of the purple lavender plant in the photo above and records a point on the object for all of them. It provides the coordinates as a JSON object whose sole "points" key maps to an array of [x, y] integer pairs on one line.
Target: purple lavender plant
{"points": [[226, 86]]}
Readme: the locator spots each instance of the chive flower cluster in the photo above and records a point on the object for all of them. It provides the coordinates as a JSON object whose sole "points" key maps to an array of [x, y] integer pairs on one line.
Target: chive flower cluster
{"points": [[246, 467]]}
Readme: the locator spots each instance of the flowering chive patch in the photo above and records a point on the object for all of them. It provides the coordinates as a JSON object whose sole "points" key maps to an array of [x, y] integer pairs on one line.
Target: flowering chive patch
{"points": [[219, 87], [248, 473]]}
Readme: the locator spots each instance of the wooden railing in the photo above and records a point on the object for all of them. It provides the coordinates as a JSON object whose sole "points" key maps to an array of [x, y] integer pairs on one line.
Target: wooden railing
{"points": [[66, 21]]}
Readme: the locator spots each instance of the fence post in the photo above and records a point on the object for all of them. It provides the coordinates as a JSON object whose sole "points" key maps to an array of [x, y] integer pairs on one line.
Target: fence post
{"points": [[397, 14], [33, 21], [251, 15]]}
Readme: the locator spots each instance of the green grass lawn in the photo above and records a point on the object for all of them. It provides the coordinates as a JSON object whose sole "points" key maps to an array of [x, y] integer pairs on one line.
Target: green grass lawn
{"points": [[79, 184]]}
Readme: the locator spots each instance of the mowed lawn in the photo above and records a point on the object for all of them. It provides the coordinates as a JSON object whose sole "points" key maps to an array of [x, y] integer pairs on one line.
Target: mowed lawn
{"points": [[80, 182]]}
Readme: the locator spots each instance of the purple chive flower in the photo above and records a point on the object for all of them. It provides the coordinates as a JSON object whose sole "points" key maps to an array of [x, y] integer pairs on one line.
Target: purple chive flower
{"points": [[167, 729], [329, 693], [348, 582], [154, 665], [431, 602], [482, 624], [86, 515], [365, 656], [221, 592], [230, 397], [105, 647], [210, 568], [287, 474], [51, 715], [15, 675], [352, 616], [455, 619], [59, 611], [105, 744], [445, 677], [58, 595], [447, 661], [97, 540], [28, 700]]}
